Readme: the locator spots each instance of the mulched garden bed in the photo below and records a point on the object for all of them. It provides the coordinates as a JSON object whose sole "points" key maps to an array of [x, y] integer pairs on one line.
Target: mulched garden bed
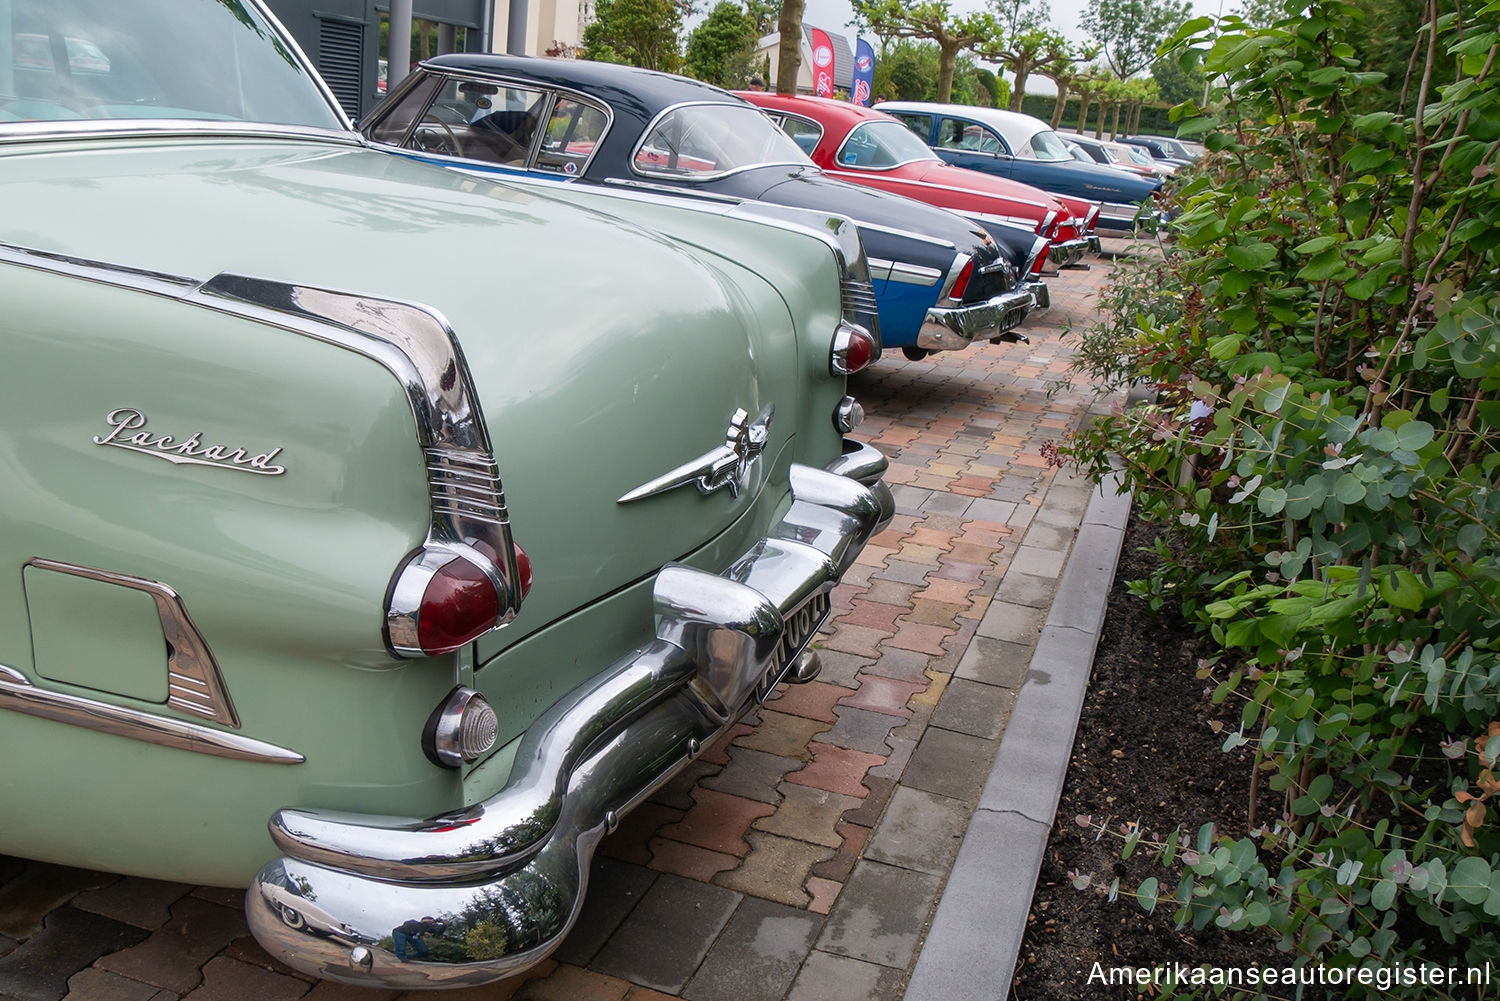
{"points": [[1146, 751]]}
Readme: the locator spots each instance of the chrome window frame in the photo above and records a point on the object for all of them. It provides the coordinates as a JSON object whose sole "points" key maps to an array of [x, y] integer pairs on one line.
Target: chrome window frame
{"points": [[774, 114], [656, 120], [875, 170], [1005, 147]]}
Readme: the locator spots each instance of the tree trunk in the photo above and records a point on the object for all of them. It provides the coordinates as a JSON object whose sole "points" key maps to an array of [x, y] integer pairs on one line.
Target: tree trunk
{"points": [[789, 57], [1103, 113], [1114, 126], [1084, 100], [947, 62], [1018, 93], [1062, 104]]}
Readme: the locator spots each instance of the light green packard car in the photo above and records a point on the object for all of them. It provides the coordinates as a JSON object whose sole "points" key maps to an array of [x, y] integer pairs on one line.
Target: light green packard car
{"points": [[263, 620]]}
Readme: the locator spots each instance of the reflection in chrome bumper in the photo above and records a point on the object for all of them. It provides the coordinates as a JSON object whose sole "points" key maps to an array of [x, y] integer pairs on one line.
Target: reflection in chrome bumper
{"points": [[948, 329], [483, 893]]}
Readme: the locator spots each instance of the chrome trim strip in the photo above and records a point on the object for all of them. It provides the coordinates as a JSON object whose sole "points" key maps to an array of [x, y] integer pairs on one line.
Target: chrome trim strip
{"points": [[19, 695], [805, 163], [168, 128], [946, 187], [520, 859], [189, 660], [900, 271]]}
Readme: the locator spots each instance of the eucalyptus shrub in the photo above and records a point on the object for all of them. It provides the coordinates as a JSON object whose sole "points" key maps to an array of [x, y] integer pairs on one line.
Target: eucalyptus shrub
{"points": [[1324, 335]]}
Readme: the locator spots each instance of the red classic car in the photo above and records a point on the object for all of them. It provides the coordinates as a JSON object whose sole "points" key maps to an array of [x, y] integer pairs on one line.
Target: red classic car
{"points": [[871, 148]]}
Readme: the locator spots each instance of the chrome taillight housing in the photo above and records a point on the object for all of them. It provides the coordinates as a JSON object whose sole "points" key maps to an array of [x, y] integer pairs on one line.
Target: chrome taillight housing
{"points": [[448, 594], [461, 730], [853, 349], [848, 415]]}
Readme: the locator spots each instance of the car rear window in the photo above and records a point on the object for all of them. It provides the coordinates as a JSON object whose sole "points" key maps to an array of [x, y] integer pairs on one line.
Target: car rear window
{"points": [[87, 60]]}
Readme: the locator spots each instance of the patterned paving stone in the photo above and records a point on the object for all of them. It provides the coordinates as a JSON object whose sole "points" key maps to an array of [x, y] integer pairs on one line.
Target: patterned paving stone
{"points": [[226, 979], [665, 938], [823, 892], [890, 592], [880, 914], [950, 764], [1038, 561], [873, 615], [753, 774], [94, 984], [921, 638], [689, 860], [758, 955], [850, 852], [813, 700], [936, 613], [776, 868], [840, 669], [860, 730], [69, 940], [145, 903], [332, 990], [782, 734], [974, 708], [38, 888], [870, 810], [903, 573], [920, 831], [569, 983], [861, 641], [1024, 589], [923, 702], [903, 665], [837, 769], [171, 957], [808, 814], [885, 695], [615, 888], [717, 821], [678, 793]]}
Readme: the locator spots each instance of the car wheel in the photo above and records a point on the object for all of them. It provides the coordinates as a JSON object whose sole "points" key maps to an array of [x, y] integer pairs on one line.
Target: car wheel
{"points": [[292, 919], [915, 354]]}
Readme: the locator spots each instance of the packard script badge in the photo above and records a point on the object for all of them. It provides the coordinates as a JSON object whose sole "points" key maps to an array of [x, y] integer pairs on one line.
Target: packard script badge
{"points": [[128, 431]]}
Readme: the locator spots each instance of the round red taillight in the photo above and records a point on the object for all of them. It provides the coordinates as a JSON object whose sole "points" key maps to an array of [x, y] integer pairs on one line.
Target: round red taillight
{"points": [[853, 349], [458, 606], [961, 284], [523, 571]]}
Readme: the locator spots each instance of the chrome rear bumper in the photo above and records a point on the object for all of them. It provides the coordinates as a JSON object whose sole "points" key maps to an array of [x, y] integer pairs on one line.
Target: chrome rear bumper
{"points": [[495, 887], [1067, 253], [948, 329]]}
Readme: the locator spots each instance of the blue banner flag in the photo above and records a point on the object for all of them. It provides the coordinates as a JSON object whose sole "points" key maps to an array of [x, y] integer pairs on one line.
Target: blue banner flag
{"points": [[864, 73]]}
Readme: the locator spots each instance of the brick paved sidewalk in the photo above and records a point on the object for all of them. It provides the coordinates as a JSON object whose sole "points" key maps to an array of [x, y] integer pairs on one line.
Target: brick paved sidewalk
{"points": [[797, 859]]}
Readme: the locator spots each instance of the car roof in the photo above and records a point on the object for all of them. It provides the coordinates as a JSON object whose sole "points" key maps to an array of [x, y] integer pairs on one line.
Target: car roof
{"points": [[629, 90], [1014, 126], [824, 109]]}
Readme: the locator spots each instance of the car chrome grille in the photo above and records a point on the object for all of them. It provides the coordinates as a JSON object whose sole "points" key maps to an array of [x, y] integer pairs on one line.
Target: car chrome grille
{"points": [[800, 628], [857, 297], [465, 485]]}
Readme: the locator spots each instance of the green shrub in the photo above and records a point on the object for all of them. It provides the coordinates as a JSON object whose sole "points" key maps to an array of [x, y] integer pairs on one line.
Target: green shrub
{"points": [[1324, 335]]}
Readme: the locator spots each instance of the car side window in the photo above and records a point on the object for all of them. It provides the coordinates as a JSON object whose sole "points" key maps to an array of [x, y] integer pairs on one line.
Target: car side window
{"points": [[480, 121], [397, 122], [920, 125], [573, 133], [804, 133], [958, 134]]}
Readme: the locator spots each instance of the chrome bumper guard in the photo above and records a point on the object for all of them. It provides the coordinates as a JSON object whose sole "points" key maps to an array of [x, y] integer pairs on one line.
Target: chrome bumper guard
{"points": [[483, 893], [1041, 295], [948, 329], [1067, 253], [1096, 243]]}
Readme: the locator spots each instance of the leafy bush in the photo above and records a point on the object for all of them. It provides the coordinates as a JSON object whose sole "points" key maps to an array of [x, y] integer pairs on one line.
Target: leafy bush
{"points": [[1324, 336]]}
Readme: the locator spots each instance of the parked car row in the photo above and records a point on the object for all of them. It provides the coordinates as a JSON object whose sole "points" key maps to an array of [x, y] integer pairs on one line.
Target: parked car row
{"points": [[269, 615]]}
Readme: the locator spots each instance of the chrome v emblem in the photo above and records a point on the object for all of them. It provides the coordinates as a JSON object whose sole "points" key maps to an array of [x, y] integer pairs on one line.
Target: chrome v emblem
{"points": [[725, 466]]}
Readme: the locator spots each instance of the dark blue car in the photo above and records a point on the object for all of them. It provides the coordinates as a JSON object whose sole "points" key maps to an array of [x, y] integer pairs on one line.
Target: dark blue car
{"points": [[940, 281], [1024, 149]]}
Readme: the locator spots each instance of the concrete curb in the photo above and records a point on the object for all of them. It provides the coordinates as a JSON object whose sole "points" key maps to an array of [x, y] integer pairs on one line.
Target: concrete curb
{"points": [[971, 949]]}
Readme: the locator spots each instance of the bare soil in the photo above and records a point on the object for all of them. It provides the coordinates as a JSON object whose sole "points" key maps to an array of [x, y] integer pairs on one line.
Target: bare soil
{"points": [[1146, 752]]}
